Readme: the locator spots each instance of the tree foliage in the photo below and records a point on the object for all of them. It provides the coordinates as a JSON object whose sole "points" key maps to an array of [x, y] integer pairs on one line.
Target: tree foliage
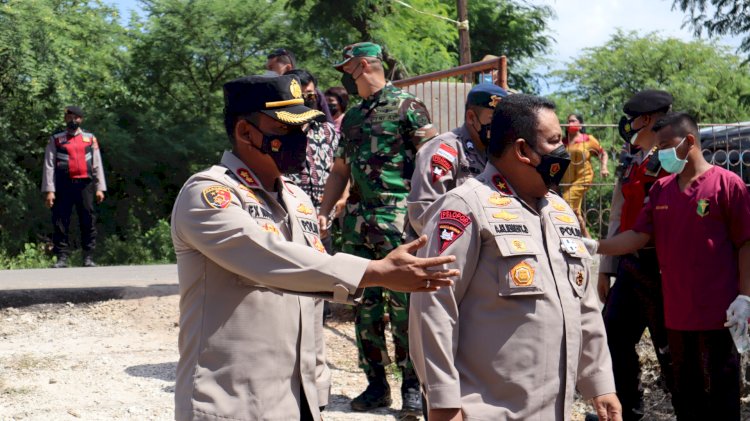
{"points": [[152, 89], [718, 17], [706, 80]]}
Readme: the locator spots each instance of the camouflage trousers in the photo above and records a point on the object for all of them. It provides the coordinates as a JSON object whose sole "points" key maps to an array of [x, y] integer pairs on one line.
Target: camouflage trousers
{"points": [[373, 236]]}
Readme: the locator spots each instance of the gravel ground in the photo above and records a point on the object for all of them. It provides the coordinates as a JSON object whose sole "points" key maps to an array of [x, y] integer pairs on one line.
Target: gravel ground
{"points": [[115, 360]]}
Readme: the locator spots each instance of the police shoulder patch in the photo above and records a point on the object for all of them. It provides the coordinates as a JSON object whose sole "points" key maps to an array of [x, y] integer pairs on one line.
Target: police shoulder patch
{"points": [[452, 225], [217, 197]]}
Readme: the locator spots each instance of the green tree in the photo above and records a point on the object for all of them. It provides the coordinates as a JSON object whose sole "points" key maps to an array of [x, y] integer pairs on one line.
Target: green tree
{"points": [[729, 17], [706, 80], [52, 53], [171, 125], [511, 28], [413, 43]]}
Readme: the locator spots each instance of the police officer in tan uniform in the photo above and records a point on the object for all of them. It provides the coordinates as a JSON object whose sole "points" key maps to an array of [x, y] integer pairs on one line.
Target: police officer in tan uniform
{"points": [[448, 160], [521, 330], [250, 261]]}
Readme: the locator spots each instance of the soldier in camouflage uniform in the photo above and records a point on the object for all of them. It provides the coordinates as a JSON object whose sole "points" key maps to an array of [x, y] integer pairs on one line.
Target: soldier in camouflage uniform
{"points": [[448, 160], [379, 139]]}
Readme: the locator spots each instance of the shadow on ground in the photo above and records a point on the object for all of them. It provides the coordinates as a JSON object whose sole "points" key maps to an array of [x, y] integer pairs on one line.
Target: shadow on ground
{"points": [[162, 371], [28, 297]]}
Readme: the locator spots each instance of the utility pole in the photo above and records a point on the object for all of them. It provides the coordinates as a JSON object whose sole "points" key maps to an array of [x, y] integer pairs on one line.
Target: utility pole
{"points": [[464, 50]]}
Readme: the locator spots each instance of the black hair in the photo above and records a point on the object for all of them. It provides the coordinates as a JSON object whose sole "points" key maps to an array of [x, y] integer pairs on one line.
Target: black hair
{"points": [[341, 96], [283, 55], [682, 123], [304, 76], [515, 117]]}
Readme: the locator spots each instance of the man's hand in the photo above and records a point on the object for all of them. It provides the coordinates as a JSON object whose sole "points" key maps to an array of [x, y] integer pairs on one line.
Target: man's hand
{"points": [[603, 286], [604, 172], [339, 207], [99, 196], [400, 270], [323, 226], [446, 414], [738, 313], [608, 407], [49, 199]]}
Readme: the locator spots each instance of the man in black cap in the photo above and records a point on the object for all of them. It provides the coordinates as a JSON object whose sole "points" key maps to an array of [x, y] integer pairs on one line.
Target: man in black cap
{"points": [[634, 302], [73, 176], [448, 160], [247, 242]]}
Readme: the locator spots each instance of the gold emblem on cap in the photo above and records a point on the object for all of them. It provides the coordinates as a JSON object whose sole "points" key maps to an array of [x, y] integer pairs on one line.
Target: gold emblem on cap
{"points": [[518, 245], [295, 89], [522, 274], [499, 200], [287, 117], [494, 99], [505, 216]]}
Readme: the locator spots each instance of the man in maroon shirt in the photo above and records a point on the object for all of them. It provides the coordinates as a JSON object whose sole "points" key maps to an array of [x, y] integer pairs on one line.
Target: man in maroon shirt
{"points": [[699, 218]]}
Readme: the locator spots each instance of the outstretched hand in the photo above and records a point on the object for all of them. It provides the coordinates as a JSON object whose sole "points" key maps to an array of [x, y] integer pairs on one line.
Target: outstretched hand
{"points": [[400, 270]]}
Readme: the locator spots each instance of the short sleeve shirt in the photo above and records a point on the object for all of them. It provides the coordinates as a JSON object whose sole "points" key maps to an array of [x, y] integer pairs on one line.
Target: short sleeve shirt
{"points": [[698, 233]]}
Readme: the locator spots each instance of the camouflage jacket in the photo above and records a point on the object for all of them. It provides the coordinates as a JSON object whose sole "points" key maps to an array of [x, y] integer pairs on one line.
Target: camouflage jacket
{"points": [[379, 139]]}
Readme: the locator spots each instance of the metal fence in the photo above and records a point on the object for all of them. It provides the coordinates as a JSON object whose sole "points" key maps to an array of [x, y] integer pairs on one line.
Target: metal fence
{"points": [[444, 92], [726, 145]]}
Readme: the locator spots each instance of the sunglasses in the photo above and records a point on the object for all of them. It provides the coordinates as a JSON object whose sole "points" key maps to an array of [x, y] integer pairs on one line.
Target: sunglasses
{"points": [[309, 95]]}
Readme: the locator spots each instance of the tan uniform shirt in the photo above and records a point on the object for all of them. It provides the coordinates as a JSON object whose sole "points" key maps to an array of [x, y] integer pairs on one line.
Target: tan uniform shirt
{"points": [[248, 346], [442, 163], [520, 330]]}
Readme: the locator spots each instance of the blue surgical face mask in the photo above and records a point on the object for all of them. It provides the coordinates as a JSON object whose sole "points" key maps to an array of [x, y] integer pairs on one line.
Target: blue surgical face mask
{"points": [[669, 160]]}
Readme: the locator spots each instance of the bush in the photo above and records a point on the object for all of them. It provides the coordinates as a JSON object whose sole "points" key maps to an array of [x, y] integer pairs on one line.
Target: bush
{"points": [[135, 248], [32, 256]]}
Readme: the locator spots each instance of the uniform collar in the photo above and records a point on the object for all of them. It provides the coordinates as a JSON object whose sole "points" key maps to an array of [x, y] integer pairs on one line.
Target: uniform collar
{"points": [[74, 134], [376, 96], [498, 182], [463, 134], [247, 177], [240, 170]]}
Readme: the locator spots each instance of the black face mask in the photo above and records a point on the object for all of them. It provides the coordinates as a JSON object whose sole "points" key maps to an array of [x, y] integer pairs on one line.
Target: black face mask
{"points": [[625, 127], [349, 84], [553, 166], [333, 108], [311, 103], [288, 151], [72, 126]]}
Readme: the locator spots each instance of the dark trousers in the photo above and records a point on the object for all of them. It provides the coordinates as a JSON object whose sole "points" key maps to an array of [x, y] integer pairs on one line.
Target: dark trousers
{"points": [[69, 194], [634, 304], [707, 375]]}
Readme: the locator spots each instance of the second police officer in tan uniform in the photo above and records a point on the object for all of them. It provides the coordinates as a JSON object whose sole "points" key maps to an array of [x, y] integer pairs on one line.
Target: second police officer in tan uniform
{"points": [[448, 160], [247, 240], [521, 330]]}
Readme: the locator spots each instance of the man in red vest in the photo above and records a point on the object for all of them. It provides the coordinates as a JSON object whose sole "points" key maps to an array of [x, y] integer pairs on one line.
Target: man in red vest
{"points": [[73, 176]]}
